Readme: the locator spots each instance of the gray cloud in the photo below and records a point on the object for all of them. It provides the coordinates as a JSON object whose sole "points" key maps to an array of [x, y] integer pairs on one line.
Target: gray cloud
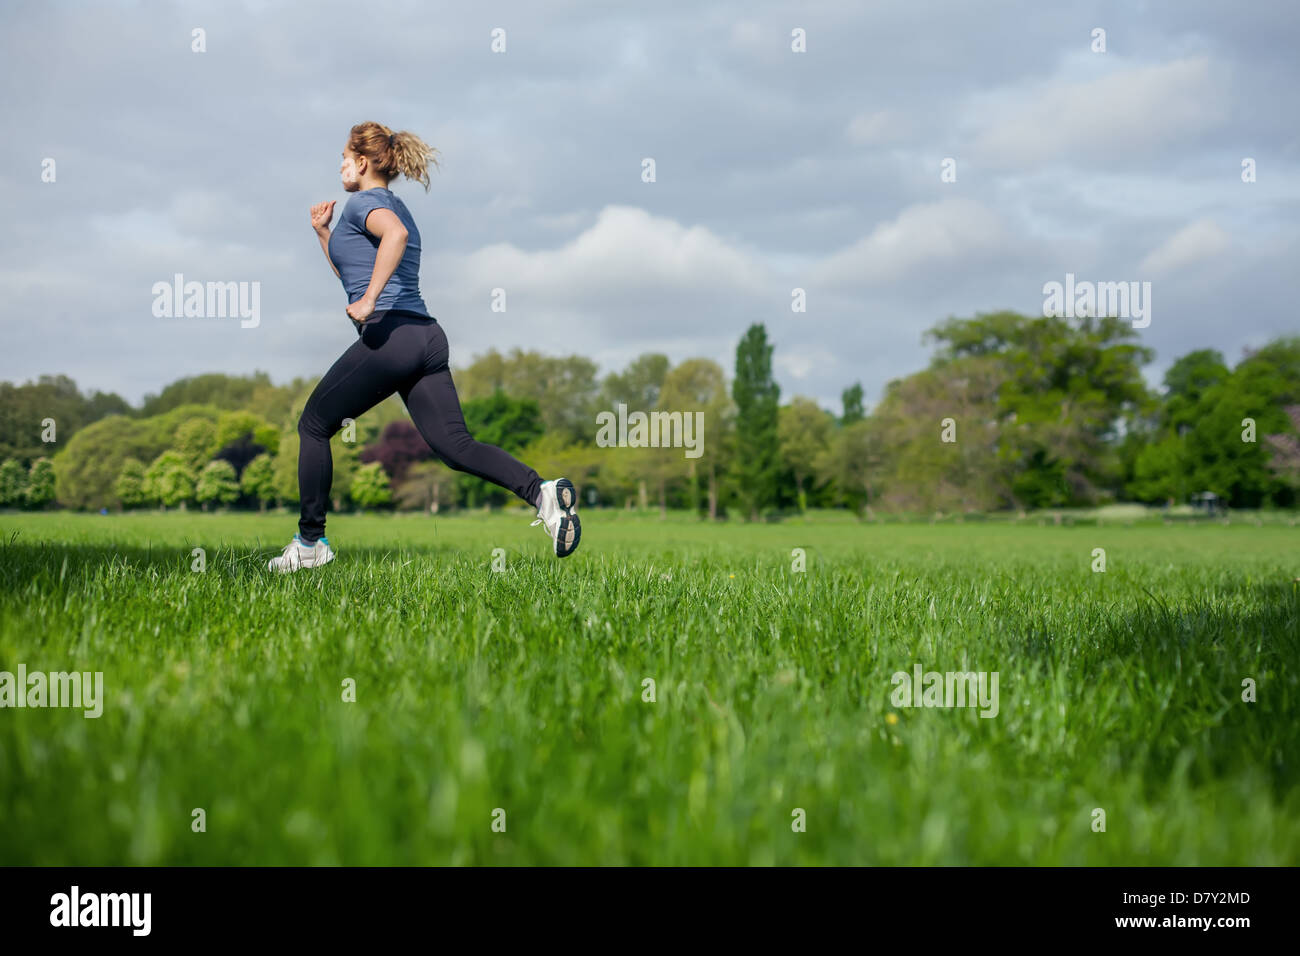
{"points": [[775, 170]]}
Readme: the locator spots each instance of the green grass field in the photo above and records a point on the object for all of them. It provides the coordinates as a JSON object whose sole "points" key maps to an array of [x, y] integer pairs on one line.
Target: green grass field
{"points": [[523, 690]]}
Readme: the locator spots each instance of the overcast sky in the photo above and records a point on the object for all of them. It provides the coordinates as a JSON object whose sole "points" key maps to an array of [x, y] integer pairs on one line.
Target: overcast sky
{"points": [[774, 169]]}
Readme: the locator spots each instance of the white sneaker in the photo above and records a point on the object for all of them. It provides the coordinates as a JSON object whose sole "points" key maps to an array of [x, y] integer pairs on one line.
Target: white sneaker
{"points": [[298, 555], [557, 510]]}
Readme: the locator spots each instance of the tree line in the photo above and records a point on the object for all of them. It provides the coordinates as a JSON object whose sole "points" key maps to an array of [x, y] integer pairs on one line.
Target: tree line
{"points": [[1012, 412]]}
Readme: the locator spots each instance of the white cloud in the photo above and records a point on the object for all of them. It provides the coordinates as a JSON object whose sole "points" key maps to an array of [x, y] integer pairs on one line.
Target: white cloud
{"points": [[626, 250], [927, 234], [799, 361], [1125, 111], [1201, 240]]}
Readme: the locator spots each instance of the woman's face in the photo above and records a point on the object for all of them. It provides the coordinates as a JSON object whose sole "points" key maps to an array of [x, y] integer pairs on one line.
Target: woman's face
{"points": [[348, 171]]}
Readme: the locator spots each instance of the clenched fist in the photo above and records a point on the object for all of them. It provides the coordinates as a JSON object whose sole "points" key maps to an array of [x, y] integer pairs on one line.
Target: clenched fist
{"points": [[321, 215]]}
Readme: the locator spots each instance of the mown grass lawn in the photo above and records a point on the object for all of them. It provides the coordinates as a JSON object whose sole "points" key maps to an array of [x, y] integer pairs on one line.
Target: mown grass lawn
{"points": [[520, 695]]}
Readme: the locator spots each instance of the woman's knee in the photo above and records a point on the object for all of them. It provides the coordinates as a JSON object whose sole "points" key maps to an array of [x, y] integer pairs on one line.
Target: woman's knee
{"points": [[455, 451], [311, 425]]}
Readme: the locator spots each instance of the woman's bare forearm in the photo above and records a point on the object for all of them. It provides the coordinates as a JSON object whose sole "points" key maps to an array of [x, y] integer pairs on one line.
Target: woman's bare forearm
{"points": [[387, 258]]}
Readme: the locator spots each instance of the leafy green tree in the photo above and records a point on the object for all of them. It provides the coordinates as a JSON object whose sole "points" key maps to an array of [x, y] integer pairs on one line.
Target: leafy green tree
{"points": [[851, 398], [347, 461], [102, 404], [40, 484], [216, 484], [937, 439], [553, 457], [216, 389], [258, 480], [618, 475], [196, 440], [804, 431], [176, 487], [1067, 387], [1219, 454], [1160, 472], [284, 482], [700, 385], [130, 484], [429, 486], [1153, 451], [661, 467], [507, 422], [370, 486], [1219, 457], [564, 389], [756, 395], [87, 468], [234, 425], [854, 463], [1186, 383], [13, 483], [169, 480], [24, 410], [639, 387]]}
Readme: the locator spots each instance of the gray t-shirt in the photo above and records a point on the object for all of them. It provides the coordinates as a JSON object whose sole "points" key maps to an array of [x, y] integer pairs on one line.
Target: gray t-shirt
{"points": [[352, 250]]}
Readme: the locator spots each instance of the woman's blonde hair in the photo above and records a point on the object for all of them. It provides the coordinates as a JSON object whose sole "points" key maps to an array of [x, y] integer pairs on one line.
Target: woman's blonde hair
{"points": [[392, 152]]}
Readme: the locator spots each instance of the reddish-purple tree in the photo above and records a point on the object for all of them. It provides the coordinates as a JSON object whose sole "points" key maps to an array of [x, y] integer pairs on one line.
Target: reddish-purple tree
{"points": [[1286, 450], [397, 449]]}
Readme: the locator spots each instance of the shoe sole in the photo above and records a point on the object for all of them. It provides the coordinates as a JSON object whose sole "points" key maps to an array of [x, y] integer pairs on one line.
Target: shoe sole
{"points": [[567, 497]]}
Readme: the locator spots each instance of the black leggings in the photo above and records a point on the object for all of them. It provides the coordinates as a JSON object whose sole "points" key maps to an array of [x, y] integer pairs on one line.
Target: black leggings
{"points": [[403, 352]]}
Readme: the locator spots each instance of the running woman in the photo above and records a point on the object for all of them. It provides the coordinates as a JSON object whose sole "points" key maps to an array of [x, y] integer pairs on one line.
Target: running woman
{"points": [[375, 252]]}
